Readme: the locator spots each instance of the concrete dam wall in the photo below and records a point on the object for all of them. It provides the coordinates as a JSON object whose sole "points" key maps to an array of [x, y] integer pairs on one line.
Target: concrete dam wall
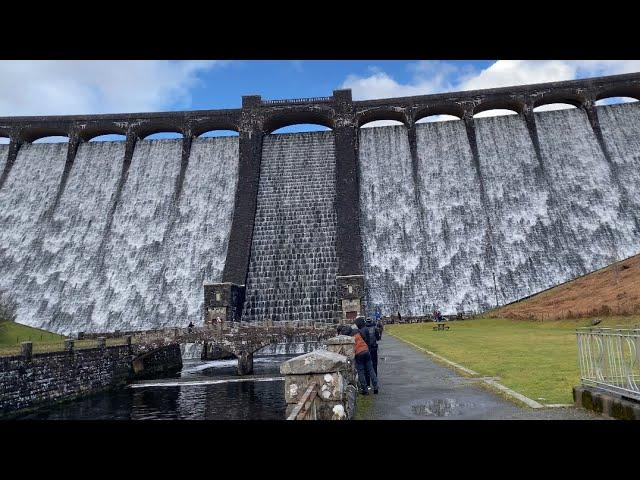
{"points": [[439, 238], [98, 236]]}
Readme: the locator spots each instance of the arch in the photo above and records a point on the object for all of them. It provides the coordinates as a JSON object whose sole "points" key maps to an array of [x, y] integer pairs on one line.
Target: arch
{"points": [[299, 117], [218, 133], [615, 100], [35, 135], [546, 107], [52, 139], [217, 125], [630, 91], [109, 137], [568, 98], [164, 135], [381, 123], [450, 110], [443, 117], [504, 106], [380, 114], [495, 112], [301, 127]]}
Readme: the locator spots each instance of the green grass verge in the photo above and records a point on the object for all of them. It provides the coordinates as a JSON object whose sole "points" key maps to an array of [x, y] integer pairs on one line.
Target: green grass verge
{"points": [[537, 359], [12, 334], [363, 406]]}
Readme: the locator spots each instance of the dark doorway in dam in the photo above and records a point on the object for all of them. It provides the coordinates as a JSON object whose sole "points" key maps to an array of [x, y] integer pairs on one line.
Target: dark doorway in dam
{"points": [[437, 118], [553, 106], [110, 137], [219, 133], [164, 136], [300, 128], [495, 112], [615, 100], [52, 139]]}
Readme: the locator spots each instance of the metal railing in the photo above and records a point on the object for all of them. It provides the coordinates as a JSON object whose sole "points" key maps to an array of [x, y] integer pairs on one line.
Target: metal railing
{"points": [[610, 359]]}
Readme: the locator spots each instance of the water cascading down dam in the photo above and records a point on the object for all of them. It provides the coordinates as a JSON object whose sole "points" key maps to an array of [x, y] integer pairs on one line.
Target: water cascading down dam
{"points": [[466, 214]]}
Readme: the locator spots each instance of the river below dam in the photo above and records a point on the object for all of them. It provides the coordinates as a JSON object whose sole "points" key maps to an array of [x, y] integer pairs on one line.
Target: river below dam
{"points": [[203, 390]]}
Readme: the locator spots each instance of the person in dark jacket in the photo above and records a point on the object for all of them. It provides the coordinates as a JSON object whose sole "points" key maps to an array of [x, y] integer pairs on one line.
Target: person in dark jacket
{"points": [[371, 336], [364, 365]]}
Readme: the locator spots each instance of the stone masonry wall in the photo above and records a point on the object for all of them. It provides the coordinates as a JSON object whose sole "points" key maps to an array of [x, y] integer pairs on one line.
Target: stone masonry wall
{"points": [[52, 377]]}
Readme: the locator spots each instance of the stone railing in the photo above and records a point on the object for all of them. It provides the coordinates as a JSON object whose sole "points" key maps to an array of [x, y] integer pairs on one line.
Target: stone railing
{"points": [[321, 385]]}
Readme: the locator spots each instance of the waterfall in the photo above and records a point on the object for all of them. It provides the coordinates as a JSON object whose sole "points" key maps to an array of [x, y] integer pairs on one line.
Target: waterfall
{"points": [[547, 225], [145, 276], [293, 266], [191, 351]]}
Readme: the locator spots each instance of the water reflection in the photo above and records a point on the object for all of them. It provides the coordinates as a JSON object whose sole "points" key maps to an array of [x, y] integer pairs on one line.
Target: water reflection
{"points": [[202, 391]]}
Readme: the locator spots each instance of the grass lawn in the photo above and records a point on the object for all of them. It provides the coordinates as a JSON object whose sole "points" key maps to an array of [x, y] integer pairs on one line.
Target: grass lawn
{"points": [[537, 359], [12, 334]]}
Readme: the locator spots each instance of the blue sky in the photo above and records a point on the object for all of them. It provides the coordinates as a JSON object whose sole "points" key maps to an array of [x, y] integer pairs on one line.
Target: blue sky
{"points": [[84, 87]]}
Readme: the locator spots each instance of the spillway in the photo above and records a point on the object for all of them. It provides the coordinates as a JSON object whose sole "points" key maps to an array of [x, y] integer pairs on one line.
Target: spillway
{"points": [[293, 266], [72, 273], [440, 242]]}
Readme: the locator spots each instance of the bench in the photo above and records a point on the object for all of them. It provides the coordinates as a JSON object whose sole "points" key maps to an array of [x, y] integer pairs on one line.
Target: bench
{"points": [[441, 326]]}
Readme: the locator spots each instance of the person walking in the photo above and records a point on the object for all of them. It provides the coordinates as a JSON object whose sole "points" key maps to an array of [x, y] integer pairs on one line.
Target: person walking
{"points": [[363, 359], [399, 317], [371, 336]]}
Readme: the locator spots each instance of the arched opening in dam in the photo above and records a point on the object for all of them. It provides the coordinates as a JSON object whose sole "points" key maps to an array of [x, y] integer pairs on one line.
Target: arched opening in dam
{"points": [[301, 128], [51, 139], [109, 137], [553, 106], [164, 136], [494, 112], [218, 133], [615, 100], [437, 118]]}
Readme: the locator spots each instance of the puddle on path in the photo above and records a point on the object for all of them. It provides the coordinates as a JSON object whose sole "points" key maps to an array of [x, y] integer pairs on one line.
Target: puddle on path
{"points": [[442, 407]]}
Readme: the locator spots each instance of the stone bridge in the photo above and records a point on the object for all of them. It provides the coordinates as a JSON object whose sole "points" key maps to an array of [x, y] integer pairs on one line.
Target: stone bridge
{"points": [[240, 339]]}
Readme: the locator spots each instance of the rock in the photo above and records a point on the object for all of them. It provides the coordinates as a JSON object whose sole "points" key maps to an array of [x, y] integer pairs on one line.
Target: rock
{"points": [[318, 361]]}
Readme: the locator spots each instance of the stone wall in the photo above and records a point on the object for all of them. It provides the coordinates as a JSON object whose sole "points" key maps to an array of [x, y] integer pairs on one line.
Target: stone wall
{"points": [[333, 373], [28, 382]]}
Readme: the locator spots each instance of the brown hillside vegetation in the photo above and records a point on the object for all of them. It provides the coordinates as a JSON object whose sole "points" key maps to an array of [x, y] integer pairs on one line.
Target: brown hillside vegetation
{"points": [[613, 290]]}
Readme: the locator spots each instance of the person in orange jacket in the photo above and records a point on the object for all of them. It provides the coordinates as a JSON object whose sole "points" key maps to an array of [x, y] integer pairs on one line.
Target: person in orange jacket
{"points": [[363, 359]]}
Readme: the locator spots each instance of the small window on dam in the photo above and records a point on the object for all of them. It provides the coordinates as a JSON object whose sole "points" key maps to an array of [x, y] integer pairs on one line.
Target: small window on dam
{"points": [[615, 100], [111, 137], [52, 139], [553, 106], [219, 133], [301, 127]]}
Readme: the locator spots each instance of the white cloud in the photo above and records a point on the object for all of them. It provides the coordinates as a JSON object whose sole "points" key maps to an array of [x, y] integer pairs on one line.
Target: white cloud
{"points": [[85, 86], [436, 77]]}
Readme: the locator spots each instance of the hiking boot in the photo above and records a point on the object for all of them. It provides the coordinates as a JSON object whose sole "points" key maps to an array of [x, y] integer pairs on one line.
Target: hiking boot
{"points": [[375, 391]]}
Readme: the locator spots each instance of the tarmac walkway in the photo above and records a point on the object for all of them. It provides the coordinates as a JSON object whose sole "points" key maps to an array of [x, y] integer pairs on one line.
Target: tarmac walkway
{"points": [[414, 387]]}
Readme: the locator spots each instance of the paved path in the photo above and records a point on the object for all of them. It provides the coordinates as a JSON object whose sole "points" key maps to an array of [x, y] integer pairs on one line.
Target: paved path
{"points": [[415, 387]]}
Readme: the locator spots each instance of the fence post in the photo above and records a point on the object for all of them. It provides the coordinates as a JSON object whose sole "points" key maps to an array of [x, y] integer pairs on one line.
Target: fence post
{"points": [[27, 350]]}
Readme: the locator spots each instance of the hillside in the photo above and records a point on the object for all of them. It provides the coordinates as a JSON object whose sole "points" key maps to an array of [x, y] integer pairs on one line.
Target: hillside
{"points": [[613, 290]]}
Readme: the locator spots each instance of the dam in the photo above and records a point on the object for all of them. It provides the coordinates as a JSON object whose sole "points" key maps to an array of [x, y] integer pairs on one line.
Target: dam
{"points": [[458, 215]]}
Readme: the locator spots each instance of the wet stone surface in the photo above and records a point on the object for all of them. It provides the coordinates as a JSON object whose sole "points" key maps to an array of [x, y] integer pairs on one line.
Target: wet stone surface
{"points": [[413, 387]]}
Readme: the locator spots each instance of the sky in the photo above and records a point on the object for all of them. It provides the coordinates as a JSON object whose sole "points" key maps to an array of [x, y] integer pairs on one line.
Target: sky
{"points": [[49, 87]]}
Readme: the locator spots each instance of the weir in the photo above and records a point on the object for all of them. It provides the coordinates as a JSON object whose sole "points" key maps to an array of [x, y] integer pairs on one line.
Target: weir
{"points": [[455, 215]]}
